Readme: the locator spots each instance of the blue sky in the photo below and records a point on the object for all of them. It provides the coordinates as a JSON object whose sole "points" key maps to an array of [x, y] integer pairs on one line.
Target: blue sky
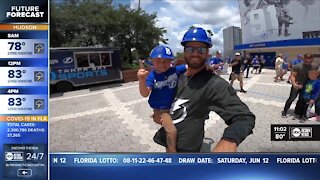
{"points": [[178, 15]]}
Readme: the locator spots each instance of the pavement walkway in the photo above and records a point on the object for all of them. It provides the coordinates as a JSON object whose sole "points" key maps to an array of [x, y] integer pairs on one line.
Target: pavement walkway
{"points": [[115, 118]]}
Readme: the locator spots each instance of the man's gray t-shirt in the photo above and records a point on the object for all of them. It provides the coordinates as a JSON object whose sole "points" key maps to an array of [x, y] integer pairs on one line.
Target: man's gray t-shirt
{"points": [[302, 70]]}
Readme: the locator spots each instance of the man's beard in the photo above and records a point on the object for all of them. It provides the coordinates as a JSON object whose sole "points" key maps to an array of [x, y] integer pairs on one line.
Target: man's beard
{"points": [[197, 65]]}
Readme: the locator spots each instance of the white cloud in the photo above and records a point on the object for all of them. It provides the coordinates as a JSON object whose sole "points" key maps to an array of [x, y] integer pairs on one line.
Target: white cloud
{"points": [[167, 22], [217, 41], [178, 15], [224, 17], [175, 38]]}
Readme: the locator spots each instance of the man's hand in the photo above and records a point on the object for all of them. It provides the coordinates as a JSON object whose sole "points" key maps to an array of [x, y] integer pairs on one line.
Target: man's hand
{"points": [[209, 68], [225, 146], [297, 86], [156, 116], [142, 74]]}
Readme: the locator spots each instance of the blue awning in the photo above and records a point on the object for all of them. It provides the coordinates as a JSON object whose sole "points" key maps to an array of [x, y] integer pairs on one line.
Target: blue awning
{"points": [[284, 43]]}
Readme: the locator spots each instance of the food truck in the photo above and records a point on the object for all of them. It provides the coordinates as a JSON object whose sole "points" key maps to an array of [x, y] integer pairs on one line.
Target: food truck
{"points": [[78, 66]]}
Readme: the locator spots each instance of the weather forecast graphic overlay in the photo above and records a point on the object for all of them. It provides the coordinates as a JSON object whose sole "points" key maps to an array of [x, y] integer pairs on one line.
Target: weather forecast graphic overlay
{"points": [[24, 89]]}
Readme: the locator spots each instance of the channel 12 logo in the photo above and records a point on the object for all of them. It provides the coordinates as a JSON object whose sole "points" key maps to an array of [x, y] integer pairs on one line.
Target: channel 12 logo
{"points": [[301, 132]]}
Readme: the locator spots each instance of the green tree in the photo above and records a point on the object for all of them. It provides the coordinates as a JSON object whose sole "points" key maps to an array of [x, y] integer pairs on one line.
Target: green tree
{"points": [[137, 30], [98, 23]]}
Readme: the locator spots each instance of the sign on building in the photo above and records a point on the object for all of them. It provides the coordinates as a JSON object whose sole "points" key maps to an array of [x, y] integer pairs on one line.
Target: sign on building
{"points": [[273, 20]]}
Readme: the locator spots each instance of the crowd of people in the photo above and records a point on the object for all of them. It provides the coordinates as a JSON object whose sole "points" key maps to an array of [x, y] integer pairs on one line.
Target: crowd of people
{"points": [[239, 65], [303, 77], [299, 75]]}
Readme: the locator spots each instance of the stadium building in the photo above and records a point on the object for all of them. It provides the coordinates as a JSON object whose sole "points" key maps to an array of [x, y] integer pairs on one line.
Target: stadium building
{"points": [[289, 27]]}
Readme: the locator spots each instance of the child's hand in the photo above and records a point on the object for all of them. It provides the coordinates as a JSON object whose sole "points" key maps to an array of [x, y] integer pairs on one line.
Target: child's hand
{"points": [[142, 74], [141, 64], [311, 101]]}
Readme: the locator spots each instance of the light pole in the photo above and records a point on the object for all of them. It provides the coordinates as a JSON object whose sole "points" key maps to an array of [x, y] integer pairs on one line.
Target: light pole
{"points": [[139, 5]]}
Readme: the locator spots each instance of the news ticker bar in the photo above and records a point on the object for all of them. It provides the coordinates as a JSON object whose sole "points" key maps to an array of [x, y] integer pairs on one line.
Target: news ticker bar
{"points": [[184, 166], [296, 132], [88, 160]]}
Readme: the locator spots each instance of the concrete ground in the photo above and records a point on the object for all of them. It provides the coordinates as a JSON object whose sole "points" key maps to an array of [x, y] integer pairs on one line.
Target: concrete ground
{"points": [[115, 118]]}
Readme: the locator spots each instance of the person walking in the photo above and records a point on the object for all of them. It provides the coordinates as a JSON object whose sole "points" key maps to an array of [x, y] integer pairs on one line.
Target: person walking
{"points": [[299, 77], [236, 64], [255, 64], [294, 62], [284, 68], [247, 64], [262, 62], [278, 67]]}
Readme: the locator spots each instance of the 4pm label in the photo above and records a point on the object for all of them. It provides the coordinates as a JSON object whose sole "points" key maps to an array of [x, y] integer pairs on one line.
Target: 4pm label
{"points": [[25, 161]]}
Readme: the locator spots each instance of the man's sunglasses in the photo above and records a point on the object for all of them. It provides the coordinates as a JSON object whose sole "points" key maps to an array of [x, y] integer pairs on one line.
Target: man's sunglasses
{"points": [[200, 50]]}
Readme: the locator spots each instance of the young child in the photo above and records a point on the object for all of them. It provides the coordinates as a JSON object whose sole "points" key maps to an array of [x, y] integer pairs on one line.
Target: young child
{"points": [[161, 84], [284, 68], [311, 94]]}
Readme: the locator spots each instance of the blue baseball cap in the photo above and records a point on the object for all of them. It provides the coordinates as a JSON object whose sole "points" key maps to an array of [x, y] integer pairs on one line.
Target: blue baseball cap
{"points": [[196, 34], [161, 51]]}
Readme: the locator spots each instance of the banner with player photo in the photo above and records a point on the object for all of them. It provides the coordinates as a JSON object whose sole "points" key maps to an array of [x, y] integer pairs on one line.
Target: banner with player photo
{"points": [[274, 20]]}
